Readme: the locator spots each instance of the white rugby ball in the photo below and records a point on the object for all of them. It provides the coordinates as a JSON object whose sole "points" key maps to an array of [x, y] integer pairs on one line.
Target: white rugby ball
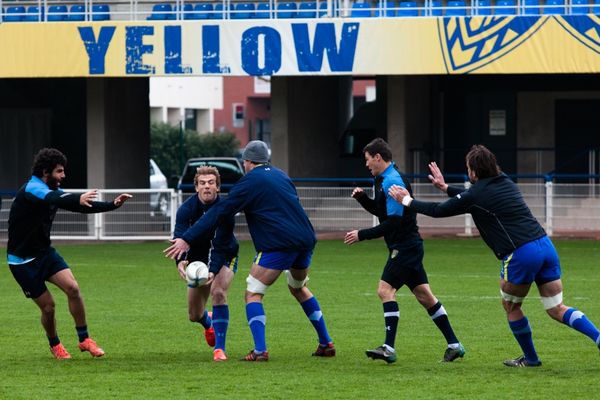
{"points": [[196, 274]]}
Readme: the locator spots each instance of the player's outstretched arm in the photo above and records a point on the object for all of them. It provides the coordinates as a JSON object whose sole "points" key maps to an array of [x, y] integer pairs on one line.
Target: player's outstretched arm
{"points": [[436, 177]]}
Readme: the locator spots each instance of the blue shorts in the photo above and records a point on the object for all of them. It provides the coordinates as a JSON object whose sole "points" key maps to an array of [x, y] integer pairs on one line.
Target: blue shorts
{"points": [[32, 276], [217, 261], [283, 260], [535, 261]]}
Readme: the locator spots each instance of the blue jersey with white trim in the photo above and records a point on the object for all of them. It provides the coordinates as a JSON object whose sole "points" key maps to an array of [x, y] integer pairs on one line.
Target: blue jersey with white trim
{"points": [[275, 217], [32, 213], [397, 224], [222, 241]]}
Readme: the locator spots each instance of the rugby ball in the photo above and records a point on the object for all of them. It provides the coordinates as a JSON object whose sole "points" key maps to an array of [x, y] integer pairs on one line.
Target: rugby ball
{"points": [[196, 274]]}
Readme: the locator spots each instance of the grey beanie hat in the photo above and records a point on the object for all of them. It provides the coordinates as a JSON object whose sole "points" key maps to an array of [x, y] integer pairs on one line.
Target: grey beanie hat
{"points": [[256, 151]]}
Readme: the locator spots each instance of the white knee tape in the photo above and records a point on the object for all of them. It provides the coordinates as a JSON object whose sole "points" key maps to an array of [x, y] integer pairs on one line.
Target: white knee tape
{"points": [[551, 302], [255, 286], [510, 298], [293, 283]]}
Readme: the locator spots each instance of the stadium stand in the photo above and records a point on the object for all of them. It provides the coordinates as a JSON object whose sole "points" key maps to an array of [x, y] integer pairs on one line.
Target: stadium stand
{"points": [[287, 9], [554, 7], [484, 7], [14, 14], [505, 7], [386, 8], [361, 10], [203, 11], [34, 14], [307, 9], [408, 9], [77, 12], [456, 8]]}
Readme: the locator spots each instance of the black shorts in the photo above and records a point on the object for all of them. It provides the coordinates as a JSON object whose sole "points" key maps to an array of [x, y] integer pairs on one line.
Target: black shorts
{"points": [[32, 276], [405, 267]]}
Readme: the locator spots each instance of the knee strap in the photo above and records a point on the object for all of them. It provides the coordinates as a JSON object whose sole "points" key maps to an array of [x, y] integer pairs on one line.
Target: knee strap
{"points": [[551, 302], [510, 298], [255, 286], [293, 283]]}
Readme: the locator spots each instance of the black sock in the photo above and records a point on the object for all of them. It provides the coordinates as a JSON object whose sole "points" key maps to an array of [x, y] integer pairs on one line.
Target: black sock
{"points": [[440, 318], [82, 332], [391, 315]]}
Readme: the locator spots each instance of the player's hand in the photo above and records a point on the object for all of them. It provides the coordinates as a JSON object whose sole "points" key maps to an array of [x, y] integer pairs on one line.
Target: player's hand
{"points": [[176, 249], [86, 198], [436, 177], [122, 198], [181, 266], [357, 193], [398, 193], [211, 278], [351, 237]]}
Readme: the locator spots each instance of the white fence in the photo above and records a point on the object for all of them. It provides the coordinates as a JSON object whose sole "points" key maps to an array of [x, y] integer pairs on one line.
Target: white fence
{"points": [[560, 208]]}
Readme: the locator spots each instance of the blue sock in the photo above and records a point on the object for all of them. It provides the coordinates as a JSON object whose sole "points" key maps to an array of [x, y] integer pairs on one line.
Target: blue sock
{"points": [[440, 318], [313, 312], [578, 321], [257, 320], [205, 320], [53, 341], [391, 316], [82, 333], [522, 332], [220, 320]]}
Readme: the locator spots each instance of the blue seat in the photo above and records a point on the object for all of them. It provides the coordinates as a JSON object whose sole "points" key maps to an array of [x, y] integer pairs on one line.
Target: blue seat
{"points": [[263, 11], [505, 7], [202, 11], [436, 8], [219, 11], [531, 7], [77, 12], [554, 7], [408, 9], [360, 10], [34, 14], [596, 7], [386, 8], [161, 11], [484, 7], [243, 11], [286, 9], [186, 11], [57, 13], [14, 14], [100, 12], [322, 9], [580, 7], [307, 9], [456, 8]]}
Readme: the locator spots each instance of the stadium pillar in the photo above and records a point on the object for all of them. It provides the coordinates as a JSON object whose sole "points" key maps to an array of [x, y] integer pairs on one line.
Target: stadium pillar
{"points": [[306, 124], [118, 133]]}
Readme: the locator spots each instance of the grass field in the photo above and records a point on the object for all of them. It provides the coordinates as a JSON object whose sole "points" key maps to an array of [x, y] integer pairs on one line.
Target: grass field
{"points": [[137, 312]]}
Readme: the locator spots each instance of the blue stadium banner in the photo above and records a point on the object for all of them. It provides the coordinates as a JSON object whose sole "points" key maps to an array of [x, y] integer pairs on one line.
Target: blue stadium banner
{"points": [[348, 46]]}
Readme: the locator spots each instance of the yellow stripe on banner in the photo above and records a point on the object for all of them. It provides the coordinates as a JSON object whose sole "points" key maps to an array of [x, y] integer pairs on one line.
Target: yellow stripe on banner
{"points": [[257, 258], [505, 266]]}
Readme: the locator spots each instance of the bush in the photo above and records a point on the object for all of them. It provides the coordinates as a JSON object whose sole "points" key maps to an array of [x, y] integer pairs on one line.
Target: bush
{"points": [[165, 147]]}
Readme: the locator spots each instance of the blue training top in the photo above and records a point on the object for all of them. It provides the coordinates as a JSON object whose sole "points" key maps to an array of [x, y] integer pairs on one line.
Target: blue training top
{"points": [[276, 220]]}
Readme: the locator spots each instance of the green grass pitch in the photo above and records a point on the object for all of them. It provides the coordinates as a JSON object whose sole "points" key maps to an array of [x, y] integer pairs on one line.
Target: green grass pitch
{"points": [[137, 312]]}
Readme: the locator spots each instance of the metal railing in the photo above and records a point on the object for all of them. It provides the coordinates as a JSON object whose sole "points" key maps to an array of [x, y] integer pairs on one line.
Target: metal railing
{"points": [[135, 10], [560, 209]]}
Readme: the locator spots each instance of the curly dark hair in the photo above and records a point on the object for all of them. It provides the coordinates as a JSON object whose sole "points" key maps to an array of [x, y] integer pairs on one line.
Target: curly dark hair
{"points": [[46, 160], [482, 162]]}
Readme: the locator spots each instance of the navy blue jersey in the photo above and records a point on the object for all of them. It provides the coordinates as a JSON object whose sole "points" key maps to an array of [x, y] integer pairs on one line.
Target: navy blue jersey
{"points": [[222, 240], [32, 213], [499, 211], [397, 224], [276, 220]]}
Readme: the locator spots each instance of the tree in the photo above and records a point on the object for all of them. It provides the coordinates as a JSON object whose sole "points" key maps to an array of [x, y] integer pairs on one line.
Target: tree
{"points": [[166, 151]]}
